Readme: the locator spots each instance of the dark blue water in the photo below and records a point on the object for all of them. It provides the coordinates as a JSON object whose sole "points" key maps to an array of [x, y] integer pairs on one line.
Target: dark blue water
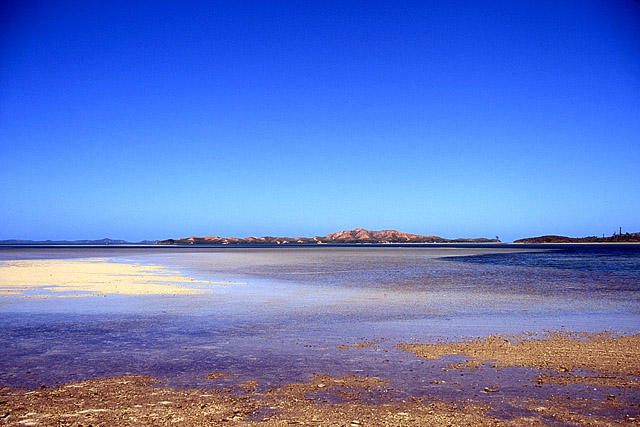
{"points": [[617, 260]]}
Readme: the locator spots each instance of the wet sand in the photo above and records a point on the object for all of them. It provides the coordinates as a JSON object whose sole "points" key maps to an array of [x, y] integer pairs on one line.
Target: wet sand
{"points": [[602, 361], [93, 277]]}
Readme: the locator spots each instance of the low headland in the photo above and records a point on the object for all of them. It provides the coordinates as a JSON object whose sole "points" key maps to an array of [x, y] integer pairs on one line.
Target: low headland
{"points": [[615, 238]]}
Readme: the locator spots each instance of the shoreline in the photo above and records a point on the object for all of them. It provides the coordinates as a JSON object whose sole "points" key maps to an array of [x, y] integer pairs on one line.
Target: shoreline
{"points": [[606, 364]]}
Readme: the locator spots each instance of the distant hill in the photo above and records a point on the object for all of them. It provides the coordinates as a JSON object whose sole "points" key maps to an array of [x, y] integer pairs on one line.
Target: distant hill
{"points": [[616, 238], [358, 235], [72, 242]]}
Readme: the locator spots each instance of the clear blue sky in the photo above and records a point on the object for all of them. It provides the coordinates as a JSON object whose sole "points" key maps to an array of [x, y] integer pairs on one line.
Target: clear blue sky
{"points": [[151, 120]]}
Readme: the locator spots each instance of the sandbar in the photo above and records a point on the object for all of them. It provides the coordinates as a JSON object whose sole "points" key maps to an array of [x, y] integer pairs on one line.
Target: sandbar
{"points": [[92, 277]]}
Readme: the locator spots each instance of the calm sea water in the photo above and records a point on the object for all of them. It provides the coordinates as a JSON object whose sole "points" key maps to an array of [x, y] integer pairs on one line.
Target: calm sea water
{"points": [[295, 305]]}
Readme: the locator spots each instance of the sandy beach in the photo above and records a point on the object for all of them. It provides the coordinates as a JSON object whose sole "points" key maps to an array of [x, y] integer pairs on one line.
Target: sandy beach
{"points": [[602, 361]]}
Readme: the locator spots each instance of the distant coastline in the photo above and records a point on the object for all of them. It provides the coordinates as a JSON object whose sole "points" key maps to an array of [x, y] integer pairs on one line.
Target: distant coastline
{"points": [[355, 236]]}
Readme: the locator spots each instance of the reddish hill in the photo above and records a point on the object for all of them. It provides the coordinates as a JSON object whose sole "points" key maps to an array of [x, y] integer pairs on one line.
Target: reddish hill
{"points": [[358, 235]]}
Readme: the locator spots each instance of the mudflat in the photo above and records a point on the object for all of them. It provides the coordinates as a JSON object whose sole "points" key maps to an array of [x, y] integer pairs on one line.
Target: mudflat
{"points": [[602, 361], [322, 336], [557, 351]]}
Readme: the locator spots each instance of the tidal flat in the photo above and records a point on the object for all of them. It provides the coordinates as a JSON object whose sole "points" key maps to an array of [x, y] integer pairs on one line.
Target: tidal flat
{"points": [[345, 335]]}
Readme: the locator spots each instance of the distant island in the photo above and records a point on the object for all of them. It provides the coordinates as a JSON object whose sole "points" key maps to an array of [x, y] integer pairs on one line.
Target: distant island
{"points": [[358, 235], [74, 242], [616, 238]]}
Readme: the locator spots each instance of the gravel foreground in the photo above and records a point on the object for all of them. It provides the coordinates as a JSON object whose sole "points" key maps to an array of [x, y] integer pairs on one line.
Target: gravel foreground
{"points": [[604, 362]]}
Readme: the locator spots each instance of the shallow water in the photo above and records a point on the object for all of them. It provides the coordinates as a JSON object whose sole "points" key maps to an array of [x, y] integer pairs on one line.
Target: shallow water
{"points": [[294, 306]]}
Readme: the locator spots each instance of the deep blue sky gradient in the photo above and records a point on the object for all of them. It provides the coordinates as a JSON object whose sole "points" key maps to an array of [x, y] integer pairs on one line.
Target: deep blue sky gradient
{"points": [[150, 120]]}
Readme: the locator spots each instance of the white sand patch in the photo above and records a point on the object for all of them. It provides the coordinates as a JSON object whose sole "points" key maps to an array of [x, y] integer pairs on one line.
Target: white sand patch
{"points": [[97, 276]]}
